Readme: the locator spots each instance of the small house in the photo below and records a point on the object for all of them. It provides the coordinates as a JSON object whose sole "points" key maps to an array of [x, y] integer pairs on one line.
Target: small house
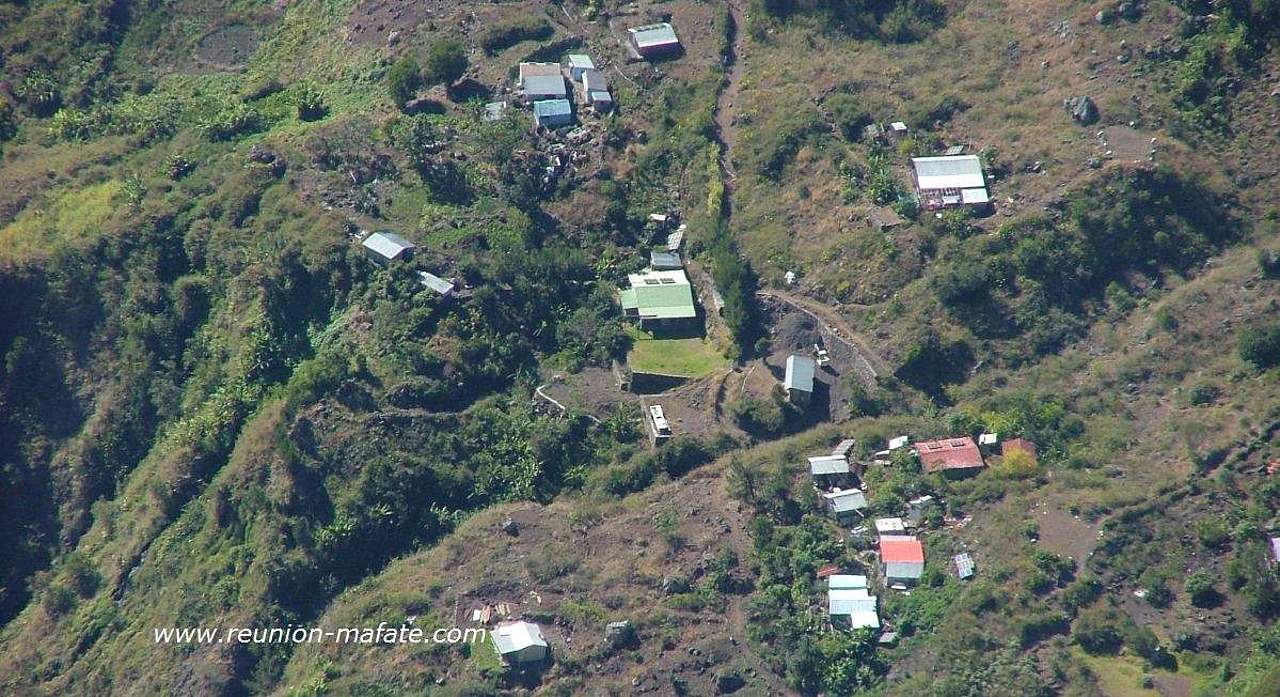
{"points": [[653, 40], [798, 381], [964, 566], [552, 113], [519, 643], [897, 130], [890, 526], [846, 505], [665, 261], [385, 247], [578, 63], [946, 182], [953, 457], [917, 508], [658, 424], [901, 560], [441, 287], [852, 609], [828, 471], [595, 90], [658, 297]]}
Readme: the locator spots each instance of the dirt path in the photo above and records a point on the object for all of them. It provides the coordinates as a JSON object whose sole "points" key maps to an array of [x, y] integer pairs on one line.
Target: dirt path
{"points": [[725, 114], [868, 364]]}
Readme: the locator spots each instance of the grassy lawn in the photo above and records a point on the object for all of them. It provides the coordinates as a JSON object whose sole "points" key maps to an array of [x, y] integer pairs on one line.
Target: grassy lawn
{"points": [[1118, 676], [693, 357]]}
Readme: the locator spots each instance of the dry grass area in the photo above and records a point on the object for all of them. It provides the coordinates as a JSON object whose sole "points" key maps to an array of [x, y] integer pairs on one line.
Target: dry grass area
{"points": [[572, 567]]}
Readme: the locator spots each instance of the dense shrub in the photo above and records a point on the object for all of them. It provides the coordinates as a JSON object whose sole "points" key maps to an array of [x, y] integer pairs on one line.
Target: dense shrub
{"points": [[403, 80], [446, 62], [504, 35], [849, 115], [1261, 346]]}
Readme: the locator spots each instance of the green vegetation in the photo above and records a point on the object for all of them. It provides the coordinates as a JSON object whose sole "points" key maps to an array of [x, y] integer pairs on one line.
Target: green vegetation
{"points": [[504, 35], [900, 21], [688, 357], [446, 62], [403, 80], [1260, 346]]}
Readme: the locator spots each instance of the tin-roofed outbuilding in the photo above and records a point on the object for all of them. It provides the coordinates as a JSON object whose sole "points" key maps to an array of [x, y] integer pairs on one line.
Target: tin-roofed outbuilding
{"points": [[964, 565], [385, 247], [439, 285], [519, 642], [653, 40], [798, 381], [552, 113], [846, 505], [578, 63], [664, 261]]}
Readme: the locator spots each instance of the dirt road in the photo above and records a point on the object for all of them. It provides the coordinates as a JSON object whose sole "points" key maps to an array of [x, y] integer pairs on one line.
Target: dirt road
{"points": [[726, 102]]}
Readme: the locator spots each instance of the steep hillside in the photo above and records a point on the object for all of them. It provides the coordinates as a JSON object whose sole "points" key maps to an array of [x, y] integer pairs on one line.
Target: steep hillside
{"points": [[216, 410]]}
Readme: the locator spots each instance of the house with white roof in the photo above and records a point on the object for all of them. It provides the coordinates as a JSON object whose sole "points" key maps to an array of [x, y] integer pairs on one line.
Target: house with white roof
{"points": [[519, 642], [950, 181], [385, 247]]}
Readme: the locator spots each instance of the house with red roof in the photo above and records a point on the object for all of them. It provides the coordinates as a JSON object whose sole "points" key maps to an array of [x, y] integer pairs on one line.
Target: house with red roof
{"points": [[901, 560], [953, 457]]}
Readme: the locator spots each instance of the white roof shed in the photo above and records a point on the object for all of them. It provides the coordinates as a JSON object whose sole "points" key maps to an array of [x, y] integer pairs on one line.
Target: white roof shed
{"points": [[519, 642], [954, 172]]}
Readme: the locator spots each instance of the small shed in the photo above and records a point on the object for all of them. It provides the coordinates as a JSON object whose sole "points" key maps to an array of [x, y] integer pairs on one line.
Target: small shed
{"points": [[552, 113], [595, 90], [846, 582], [676, 239], [916, 509], [900, 441], [494, 111], [385, 247], [890, 526], [798, 381], [853, 609], [442, 287], [845, 506], [519, 642], [664, 261], [964, 565], [1275, 549], [844, 447], [578, 63], [654, 40], [829, 471]]}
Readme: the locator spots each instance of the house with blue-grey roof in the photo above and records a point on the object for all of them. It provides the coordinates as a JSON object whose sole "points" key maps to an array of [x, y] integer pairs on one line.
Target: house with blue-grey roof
{"points": [[552, 113], [653, 40]]}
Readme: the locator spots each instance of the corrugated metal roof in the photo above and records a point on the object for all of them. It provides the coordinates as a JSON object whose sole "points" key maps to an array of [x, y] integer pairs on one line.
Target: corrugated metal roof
{"points": [[594, 80], [890, 525], [841, 581], [654, 35], [516, 636], [1275, 547], [845, 501], [901, 548], [435, 283], [949, 454], [580, 60], [904, 569], [800, 371], [955, 172], [545, 85], [975, 195], [964, 565], [828, 464], [552, 107], [664, 261], [387, 244]]}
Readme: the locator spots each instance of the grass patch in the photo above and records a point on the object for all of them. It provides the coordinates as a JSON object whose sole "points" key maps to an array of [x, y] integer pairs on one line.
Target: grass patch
{"points": [[71, 217], [692, 357], [1118, 675]]}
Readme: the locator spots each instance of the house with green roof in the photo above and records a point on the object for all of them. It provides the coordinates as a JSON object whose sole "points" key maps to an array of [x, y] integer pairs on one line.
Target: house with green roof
{"points": [[658, 296]]}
